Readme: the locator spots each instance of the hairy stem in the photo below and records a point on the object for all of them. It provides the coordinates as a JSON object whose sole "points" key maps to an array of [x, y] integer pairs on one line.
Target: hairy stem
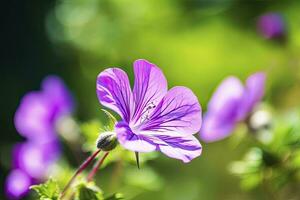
{"points": [[79, 170], [96, 167]]}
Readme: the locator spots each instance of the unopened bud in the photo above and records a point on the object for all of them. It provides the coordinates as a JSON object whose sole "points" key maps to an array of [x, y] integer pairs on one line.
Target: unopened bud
{"points": [[107, 141]]}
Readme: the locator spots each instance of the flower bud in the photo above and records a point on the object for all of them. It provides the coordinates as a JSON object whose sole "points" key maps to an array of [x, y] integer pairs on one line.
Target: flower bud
{"points": [[107, 141]]}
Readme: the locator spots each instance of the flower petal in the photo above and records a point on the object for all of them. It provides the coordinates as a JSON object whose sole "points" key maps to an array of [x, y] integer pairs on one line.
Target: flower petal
{"points": [[33, 117], [58, 96], [174, 145], [178, 111], [223, 110], [230, 92], [17, 184], [255, 86], [181, 147], [150, 87], [132, 141], [214, 128], [114, 92]]}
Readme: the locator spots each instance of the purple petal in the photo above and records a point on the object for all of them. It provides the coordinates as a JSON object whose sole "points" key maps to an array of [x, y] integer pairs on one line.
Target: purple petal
{"points": [[223, 110], [214, 128], [149, 88], [35, 159], [229, 93], [178, 111], [114, 92], [58, 96], [181, 147], [255, 86], [17, 184], [33, 117], [132, 141], [271, 25], [174, 145]]}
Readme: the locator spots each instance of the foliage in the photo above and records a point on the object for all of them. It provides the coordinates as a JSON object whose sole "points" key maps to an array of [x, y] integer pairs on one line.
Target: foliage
{"points": [[47, 191]]}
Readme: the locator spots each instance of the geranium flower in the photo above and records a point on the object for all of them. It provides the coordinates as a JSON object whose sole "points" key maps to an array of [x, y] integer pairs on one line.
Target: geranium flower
{"points": [[231, 103], [36, 119], [153, 118], [271, 25]]}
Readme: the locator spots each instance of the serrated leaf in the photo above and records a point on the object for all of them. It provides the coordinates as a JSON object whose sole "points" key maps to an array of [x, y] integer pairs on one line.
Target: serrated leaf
{"points": [[116, 196], [88, 191], [47, 191]]}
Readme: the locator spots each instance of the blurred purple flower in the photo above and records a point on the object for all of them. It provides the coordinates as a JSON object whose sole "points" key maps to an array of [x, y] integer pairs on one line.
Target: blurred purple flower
{"points": [[231, 103], [153, 118], [17, 184], [271, 25], [36, 119], [39, 111]]}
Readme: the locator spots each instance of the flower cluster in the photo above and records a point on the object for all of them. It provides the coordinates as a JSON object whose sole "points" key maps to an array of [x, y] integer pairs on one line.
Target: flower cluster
{"points": [[36, 120]]}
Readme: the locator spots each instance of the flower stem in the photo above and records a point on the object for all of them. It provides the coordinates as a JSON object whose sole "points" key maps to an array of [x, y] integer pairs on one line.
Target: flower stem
{"points": [[96, 167], [79, 170]]}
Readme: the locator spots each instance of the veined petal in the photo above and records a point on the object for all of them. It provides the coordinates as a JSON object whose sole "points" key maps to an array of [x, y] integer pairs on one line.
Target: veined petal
{"points": [[255, 87], [132, 141], [174, 145], [178, 111], [181, 147], [150, 87], [214, 128], [114, 92]]}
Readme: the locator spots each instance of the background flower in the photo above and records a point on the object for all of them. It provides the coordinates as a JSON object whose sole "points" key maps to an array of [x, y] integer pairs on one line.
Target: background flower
{"points": [[231, 103]]}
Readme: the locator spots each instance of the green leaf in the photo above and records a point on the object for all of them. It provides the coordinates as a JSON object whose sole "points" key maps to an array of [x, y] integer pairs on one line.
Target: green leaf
{"points": [[116, 196], [47, 191], [88, 191]]}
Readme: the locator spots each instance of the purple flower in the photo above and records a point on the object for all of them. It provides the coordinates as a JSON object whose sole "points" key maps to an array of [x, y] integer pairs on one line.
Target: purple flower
{"points": [[231, 103], [39, 111], [153, 118], [17, 184], [36, 119], [271, 25]]}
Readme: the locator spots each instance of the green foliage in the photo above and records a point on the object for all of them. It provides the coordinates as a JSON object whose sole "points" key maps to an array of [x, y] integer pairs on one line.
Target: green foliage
{"points": [[117, 196], [47, 191], [276, 163], [145, 178], [88, 191]]}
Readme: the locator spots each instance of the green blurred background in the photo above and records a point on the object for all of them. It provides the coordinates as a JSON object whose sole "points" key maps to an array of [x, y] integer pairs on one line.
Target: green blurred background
{"points": [[196, 43]]}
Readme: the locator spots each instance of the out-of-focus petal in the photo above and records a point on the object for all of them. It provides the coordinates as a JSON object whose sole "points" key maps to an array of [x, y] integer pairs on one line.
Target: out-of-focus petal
{"points": [[254, 92], [230, 90], [150, 87], [33, 117], [271, 25], [214, 128], [178, 111], [114, 92], [17, 184], [35, 159], [58, 96]]}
